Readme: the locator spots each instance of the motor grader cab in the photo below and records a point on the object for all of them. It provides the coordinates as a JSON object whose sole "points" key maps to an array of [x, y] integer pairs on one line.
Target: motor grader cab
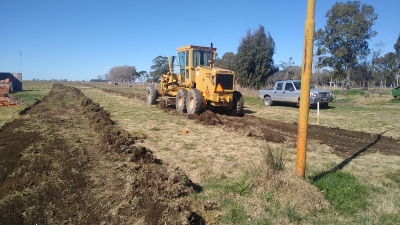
{"points": [[198, 84]]}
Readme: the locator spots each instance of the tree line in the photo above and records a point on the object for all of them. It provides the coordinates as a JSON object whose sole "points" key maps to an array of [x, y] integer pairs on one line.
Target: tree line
{"points": [[342, 55]]}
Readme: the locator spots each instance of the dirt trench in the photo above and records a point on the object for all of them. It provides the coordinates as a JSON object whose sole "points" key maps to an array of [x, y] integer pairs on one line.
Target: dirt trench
{"points": [[64, 162]]}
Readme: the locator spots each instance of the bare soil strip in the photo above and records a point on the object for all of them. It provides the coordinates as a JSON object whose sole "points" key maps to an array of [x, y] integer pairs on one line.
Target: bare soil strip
{"points": [[345, 143], [64, 162]]}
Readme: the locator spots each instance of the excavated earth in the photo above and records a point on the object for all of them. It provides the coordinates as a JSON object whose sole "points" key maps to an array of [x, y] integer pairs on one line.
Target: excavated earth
{"points": [[64, 162]]}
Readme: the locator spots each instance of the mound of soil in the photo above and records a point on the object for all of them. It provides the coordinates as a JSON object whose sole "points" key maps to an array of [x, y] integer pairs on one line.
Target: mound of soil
{"points": [[64, 161], [206, 118]]}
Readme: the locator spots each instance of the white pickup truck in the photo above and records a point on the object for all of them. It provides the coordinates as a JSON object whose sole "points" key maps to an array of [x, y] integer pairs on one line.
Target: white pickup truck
{"points": [[289, 91]]}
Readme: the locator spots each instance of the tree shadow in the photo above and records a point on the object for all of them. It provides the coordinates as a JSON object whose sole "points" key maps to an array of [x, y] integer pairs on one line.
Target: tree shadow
{"points": [[345, 162]]}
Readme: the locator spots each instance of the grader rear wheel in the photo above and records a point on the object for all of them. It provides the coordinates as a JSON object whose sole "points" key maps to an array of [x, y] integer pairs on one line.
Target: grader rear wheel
{"points": [[181, 100], [194, 101], [151, 95]]}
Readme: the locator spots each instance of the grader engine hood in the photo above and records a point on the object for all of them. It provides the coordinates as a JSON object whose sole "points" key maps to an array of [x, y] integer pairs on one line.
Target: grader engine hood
{"points": [[217, 80], [216, 84]]}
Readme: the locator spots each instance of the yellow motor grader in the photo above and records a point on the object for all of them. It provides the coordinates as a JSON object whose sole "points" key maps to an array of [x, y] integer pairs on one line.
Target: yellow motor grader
{"points": [[198, 85]]}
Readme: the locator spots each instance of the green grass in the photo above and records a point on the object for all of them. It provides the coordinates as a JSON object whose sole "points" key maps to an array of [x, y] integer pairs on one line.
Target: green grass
{"points": [[389, 219], [292, 214], [252, 100], [273, 158], [189, 146], [395, 101], [241, 187], [236, 214], [342, 190], [351, 92], [394, 178], [155, 129]]}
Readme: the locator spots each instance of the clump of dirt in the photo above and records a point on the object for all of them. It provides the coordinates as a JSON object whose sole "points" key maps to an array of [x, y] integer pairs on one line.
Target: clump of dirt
{"points": [[158, 191], [59, 155], [206, 118]]}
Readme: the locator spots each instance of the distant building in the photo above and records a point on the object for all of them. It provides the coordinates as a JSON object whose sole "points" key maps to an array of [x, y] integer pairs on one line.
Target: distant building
{"points": [[16, 79]]}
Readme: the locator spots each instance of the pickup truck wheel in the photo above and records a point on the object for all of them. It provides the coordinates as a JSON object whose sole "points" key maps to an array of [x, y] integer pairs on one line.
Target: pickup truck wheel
{"points": [[268, 101], [181, 100], [238, 104], [194, 101], [151, 95]]}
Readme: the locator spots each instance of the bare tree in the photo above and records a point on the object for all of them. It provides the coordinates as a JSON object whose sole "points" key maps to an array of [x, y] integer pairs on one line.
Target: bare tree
{"points": [[100, 77], [122, 73]]}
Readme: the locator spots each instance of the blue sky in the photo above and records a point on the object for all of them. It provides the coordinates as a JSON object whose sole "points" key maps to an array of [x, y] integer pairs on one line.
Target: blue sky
{"points": [[80, 39]]}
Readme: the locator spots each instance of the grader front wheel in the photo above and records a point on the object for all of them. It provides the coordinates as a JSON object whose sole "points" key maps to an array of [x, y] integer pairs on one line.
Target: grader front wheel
{"points": [[151, 95], [194, 101]]}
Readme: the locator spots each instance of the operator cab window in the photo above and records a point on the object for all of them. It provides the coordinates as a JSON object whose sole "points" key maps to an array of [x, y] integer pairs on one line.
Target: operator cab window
{"points": [[201, 58], [279, 86], [181, 56]]}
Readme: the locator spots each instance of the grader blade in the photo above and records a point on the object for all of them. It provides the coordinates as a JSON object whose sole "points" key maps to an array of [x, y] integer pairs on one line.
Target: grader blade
{"points": [[169, 101]]}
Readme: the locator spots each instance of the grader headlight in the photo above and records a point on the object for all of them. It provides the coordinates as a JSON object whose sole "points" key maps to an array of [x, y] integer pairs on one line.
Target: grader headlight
{"points": [[212, 78]]}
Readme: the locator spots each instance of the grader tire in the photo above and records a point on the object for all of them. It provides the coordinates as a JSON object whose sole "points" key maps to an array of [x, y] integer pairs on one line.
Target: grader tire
{"points": [[181, 100], [151, 95], [194, 101], [238, 104]]}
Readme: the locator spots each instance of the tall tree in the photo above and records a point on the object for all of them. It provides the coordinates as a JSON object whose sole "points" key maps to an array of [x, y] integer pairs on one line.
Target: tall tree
{"points": [[344, 41], [397, 49], [159, 67], [227, 61], [254, 62], [386, 68]]}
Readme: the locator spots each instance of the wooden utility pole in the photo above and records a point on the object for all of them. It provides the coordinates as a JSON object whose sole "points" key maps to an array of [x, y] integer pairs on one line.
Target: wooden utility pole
{"points": [[305, 90]]}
